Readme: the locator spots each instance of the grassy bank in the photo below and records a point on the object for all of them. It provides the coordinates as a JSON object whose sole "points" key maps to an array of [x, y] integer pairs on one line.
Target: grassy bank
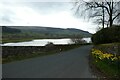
{"points": [[105, 61], [12, 40], [15, 40], [15, 53]]}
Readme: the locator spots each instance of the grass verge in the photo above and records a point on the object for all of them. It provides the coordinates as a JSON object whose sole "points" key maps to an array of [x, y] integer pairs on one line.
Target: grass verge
{"points": [[110, 71], [107, 65]]}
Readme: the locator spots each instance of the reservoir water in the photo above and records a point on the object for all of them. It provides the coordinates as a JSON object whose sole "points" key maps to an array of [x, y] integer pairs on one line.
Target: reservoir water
{"points": [[43, 42]]}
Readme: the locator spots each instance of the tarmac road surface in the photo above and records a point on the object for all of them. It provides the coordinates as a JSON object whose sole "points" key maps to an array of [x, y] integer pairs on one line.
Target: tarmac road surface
{"points": [[68, 64]]}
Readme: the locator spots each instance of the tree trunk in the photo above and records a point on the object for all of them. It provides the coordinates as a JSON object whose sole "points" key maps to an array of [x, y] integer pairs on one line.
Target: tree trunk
{"points": [[111, 23], [111, 20], [103, 14], [111, 12]]}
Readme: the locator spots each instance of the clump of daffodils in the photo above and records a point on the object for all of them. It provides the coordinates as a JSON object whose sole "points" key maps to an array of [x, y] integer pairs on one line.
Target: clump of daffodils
{"points": [[100, 55]]}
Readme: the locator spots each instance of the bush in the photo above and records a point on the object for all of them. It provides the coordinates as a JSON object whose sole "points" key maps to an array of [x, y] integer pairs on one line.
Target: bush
{"points": [[107, 35], [49, 46]]}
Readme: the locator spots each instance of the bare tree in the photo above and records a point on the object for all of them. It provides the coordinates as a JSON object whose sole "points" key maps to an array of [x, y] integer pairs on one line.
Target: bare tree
{"points": [[105, 12]]}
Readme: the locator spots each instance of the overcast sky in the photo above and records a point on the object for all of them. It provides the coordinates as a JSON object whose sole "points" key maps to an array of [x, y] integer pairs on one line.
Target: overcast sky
{"points": [[37, 13]]}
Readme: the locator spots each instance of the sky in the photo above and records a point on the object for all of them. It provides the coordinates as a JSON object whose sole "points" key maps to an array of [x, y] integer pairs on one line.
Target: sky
{"points": [[42, 13]]}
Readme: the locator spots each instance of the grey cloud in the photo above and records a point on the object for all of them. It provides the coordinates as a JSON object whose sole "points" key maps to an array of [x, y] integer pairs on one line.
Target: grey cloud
{"points": [[49, 7], [44, 7], [6, 16], [6, 19]]}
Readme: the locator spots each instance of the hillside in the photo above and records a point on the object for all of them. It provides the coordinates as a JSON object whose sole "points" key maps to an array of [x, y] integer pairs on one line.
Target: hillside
{"points": [[10, 30], [50, 30], [25, 33]]}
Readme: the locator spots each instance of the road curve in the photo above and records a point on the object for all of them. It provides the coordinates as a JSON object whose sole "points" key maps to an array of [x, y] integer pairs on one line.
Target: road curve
{"points": [[69, 64]]}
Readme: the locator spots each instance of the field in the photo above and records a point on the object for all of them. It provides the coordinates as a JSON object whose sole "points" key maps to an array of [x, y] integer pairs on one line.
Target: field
{"points": [[28, 36]]}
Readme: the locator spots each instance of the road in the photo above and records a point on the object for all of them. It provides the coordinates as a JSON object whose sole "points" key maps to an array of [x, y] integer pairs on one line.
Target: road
{"points": [[69, 64]]}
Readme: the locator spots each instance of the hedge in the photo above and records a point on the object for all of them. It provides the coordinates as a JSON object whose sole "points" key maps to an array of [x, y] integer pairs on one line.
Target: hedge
{"points": [[107, 35]]}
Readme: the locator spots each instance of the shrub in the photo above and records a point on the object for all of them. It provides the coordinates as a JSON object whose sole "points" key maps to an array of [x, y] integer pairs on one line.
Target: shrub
{"points": [[107, 35], [49, 46]]}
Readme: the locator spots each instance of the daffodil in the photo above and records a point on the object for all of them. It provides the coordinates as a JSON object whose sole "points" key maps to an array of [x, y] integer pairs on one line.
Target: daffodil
{"points": [[114, 58], [99, 54]]}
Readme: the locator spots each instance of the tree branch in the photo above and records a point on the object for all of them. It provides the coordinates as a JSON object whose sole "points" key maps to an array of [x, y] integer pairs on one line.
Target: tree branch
{"points": [[99, 5], [116, 16]]}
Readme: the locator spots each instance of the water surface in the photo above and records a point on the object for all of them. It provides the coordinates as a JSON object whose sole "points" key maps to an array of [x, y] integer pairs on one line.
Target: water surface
{"points": [[43, 42]]}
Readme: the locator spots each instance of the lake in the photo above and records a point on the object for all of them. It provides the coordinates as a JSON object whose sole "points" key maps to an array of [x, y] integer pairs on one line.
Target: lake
{"points": [[43, 42]]}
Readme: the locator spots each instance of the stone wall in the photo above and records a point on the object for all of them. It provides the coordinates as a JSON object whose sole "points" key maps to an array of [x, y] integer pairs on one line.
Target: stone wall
{"points": [[23, 50]]}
